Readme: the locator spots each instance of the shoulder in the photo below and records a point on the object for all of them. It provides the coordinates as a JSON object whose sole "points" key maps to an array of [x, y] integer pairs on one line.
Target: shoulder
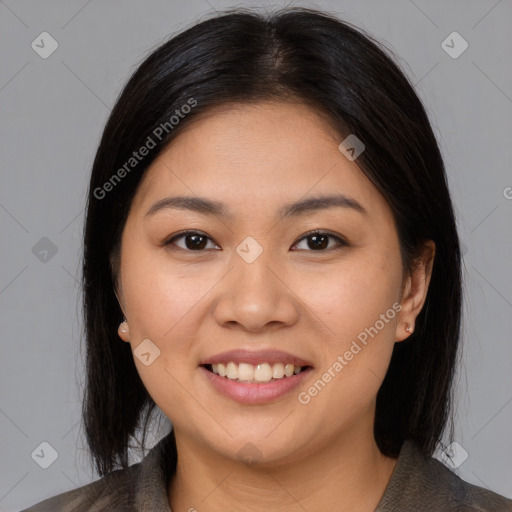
{"points": [[423, 484], [115, 491], [142, 486]]}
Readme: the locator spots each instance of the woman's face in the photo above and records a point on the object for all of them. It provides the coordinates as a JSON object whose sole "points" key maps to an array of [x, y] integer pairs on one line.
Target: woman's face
{"points": [[251, 280]]}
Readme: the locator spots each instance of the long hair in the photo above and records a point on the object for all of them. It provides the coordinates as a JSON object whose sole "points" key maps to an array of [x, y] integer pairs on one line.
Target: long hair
{"points": [[293, 54]]}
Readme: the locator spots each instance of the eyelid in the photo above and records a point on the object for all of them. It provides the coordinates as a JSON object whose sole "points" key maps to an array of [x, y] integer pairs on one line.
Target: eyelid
{"points": [[342, 242]]}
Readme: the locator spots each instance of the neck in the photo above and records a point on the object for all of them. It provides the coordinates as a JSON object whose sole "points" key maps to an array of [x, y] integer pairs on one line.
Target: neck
{"points": [[349, 474]]}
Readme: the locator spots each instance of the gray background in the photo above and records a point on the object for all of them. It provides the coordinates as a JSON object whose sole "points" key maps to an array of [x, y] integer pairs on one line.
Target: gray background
{"points": [[52, 114]]}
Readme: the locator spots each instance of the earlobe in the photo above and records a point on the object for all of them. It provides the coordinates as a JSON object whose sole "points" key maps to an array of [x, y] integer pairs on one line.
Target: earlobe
{"points": [[404, 330], [124, 331]]}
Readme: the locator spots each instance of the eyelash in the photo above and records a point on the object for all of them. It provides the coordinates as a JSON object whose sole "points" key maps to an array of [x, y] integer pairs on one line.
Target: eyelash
{"points": [[342, 242]]}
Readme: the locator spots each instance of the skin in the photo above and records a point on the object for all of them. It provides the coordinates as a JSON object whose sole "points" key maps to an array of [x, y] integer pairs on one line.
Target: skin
{"points": [[309, 302]]}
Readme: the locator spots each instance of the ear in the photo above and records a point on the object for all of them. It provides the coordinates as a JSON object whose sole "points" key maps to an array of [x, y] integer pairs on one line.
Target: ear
{"points": [[415, 290], [123, 330]]}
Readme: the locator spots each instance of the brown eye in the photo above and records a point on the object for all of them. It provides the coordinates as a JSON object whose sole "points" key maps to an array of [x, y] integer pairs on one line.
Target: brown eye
{"points": [[319, 241], [194, 241]]}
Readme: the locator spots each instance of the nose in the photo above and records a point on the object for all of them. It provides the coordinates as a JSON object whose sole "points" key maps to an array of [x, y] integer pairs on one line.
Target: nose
{"points": [[256, 297]]}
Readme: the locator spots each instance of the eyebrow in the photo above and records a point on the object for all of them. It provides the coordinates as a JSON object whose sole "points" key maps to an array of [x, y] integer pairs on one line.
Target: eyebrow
{"points": [[210, 207]]}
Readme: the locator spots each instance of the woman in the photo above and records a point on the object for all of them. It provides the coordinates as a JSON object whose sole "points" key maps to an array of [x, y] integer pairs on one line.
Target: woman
{"points": [[271, 258]]}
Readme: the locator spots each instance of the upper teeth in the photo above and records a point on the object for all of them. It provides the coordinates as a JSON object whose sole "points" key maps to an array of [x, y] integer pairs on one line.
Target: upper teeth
{"points": [[263, 372]]}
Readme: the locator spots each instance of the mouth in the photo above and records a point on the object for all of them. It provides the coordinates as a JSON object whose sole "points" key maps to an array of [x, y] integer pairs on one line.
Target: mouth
{"points": [[255, 392], [256, 373], [251, 377]]}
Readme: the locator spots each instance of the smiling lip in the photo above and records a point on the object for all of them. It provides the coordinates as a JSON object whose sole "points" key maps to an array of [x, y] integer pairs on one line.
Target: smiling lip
{"points": [[255, 392]]}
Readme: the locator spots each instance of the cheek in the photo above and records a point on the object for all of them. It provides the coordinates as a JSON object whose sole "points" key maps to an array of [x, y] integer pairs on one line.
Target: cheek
{"points": [[353, 294], [158, 297], [160, 302]]}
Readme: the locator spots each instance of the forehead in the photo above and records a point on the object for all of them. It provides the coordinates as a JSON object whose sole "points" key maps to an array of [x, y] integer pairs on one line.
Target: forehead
{"points": [[257, 156]]}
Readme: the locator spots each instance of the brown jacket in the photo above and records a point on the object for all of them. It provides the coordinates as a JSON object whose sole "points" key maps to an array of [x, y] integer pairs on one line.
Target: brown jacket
{"points": [[418, 484]]}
